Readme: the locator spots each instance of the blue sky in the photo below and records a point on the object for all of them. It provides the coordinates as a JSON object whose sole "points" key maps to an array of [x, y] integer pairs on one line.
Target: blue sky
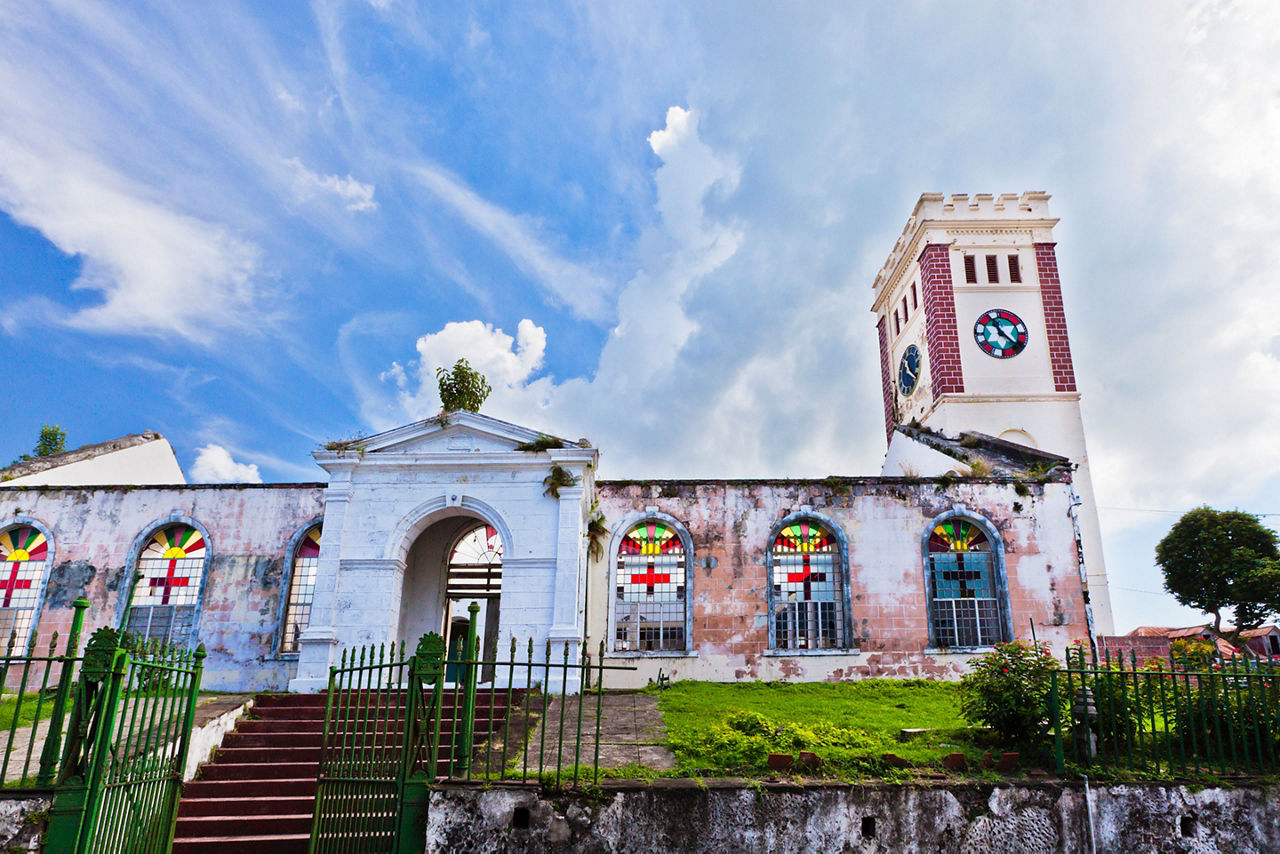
{"points": [[258, 227]]}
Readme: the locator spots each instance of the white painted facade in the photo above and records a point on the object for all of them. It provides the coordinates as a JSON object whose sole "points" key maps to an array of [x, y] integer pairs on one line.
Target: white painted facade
{"points": [[1012, 397], [396, 503]]}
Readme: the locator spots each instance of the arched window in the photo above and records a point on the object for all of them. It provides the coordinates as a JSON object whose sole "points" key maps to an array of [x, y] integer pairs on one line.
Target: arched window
{"points": [[650, 603], [475, 565], [964, 591], [807, 589], [23, 551], [302, 589], [167, 591]]}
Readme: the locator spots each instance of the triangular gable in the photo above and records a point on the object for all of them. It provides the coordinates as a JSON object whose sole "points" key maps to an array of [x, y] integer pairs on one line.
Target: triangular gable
{"points": [[456, 432]]}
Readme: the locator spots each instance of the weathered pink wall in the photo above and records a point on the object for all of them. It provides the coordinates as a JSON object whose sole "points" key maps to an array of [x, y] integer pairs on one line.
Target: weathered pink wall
{"points": [[249, 528], [884, 521]]}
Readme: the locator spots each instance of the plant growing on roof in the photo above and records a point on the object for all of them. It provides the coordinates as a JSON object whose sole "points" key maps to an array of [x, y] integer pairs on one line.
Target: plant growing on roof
{"points": [[558, 478], [463, 387], [542, 443]]}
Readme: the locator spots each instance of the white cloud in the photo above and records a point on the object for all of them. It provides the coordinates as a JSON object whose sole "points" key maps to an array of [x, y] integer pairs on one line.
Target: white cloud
{"points": [[159, 271], [308, 184], [214, 465]]}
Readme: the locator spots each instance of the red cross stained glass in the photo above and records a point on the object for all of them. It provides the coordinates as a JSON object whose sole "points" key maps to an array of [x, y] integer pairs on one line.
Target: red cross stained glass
{"points": [[24, 548], [647, 541], [803, 554], [171, 565]]}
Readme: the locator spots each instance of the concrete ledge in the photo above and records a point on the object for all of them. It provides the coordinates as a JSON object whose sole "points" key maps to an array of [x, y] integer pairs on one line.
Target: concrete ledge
{"points": [[967, 818], [214, 720]]}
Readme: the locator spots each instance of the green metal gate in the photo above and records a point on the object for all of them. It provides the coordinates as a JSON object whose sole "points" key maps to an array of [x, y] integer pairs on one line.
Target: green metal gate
{"points": [[126, 748], [371, 789], [393, 729]]}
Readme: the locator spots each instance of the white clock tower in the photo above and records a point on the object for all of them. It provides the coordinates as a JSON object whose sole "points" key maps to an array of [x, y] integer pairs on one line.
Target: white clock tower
{"points": [[973, 337]]}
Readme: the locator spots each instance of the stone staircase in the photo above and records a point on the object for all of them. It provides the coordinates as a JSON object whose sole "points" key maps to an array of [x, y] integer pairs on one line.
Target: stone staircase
{"points": [[259, 791]]}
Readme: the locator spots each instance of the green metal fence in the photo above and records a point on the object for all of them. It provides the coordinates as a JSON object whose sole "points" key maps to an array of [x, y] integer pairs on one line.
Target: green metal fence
{"points": [[394, 727], [1166, 716], [126, 746], [41, 689]]}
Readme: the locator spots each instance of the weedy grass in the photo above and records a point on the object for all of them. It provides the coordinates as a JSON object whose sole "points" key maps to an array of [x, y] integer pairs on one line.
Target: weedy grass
{"points": [[732, 728]]}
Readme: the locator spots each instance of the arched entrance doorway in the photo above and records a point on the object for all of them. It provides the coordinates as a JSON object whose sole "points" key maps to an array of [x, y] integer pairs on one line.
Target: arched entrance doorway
{"points": [[453, 563]]}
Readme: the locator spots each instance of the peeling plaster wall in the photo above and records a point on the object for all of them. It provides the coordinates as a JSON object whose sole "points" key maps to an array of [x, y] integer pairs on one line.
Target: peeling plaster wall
{"points": [[884, 521], [726, 816], [249, 528]]}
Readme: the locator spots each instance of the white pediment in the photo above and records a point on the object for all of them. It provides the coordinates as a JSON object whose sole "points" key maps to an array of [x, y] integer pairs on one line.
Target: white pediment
{"points": [[455, 433]]}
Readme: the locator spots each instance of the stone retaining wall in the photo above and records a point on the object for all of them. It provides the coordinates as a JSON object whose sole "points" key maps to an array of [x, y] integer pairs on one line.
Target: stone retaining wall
{"points": [[732, 816]]}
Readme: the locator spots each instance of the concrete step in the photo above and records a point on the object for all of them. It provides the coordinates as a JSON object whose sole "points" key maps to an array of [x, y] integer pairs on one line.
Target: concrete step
{"points": [[236, 806], [276, 843], [250, 788], [252, 825], [259, 770]]}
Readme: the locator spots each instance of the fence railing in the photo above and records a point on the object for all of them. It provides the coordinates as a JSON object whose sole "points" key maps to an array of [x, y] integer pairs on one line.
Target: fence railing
{"points": [[397, 723], [35, 692], [1166, 715]]}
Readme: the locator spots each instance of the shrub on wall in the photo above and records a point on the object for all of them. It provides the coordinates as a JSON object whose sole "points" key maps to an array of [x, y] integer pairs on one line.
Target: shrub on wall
{"points": [[1008, 690]]}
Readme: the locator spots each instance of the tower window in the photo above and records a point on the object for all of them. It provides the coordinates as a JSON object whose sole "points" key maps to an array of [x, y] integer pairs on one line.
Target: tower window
{"points": [[993, 269], [915, 303], [897, 323], [904, 308], [1015, 269], [970, 270]]}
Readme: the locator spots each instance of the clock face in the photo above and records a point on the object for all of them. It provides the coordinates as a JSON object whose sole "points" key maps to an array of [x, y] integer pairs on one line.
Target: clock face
{"points": [[1000, 333], [909, 371]]}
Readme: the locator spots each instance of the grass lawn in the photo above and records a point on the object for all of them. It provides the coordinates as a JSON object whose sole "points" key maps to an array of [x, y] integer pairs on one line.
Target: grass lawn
{"points": [[27, 714], [717, 728]]}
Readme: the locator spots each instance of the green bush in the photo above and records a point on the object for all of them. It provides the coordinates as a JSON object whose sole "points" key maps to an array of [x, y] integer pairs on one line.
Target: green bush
{"points": [[1008, 690]]}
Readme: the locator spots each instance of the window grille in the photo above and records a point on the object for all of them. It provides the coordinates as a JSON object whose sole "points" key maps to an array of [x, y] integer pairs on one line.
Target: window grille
{"points": [[1015, 269], [650, 602], [970, 270], [302, 590], [808, 606], [163, 606], [993, 269], [964, 604], [23, 551]]}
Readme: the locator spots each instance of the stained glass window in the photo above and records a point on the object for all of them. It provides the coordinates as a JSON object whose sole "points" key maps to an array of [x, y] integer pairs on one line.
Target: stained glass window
{"points": [[22, 557], [302, 590], [168, 589], [650, 603], [475, 565], [964, 606], [808, 601]]}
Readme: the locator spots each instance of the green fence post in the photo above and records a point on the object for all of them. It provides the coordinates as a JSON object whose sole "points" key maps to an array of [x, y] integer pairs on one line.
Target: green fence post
{"points": [[471, 670], [53, 739]]}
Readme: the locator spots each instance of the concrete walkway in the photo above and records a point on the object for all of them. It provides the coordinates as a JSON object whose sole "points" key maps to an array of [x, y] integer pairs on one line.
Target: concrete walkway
{"points": [[631, 732]]}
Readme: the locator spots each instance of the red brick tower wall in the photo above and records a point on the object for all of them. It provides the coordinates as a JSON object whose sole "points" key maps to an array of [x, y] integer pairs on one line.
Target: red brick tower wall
{"points": [[886, 378], [940, 320], [1055, 319]]}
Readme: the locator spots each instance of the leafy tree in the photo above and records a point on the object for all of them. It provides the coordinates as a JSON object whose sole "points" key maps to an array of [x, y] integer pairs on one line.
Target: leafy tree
{"points": [[53, 440], [1214, 560], [462, 388]]}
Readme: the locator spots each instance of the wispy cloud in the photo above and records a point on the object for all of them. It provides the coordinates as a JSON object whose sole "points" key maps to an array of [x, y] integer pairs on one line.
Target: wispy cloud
{"points": [[308, 184], [571, 285]]}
